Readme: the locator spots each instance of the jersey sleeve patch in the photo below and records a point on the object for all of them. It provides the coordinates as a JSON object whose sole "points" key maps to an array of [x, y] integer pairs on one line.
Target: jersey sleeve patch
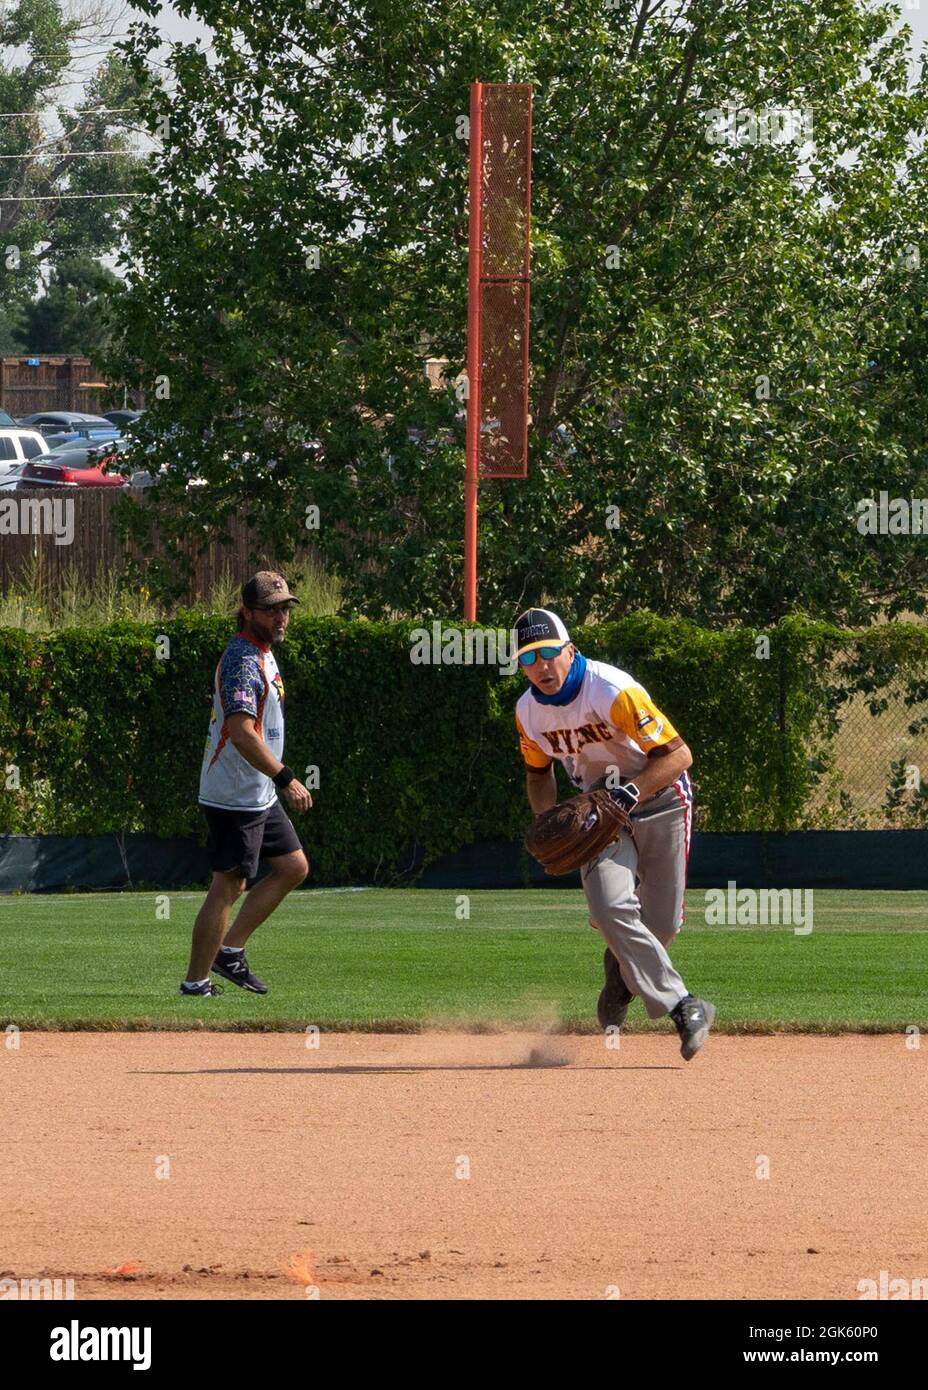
{"points": [[532, 755], [635, 714], [240, 684]]}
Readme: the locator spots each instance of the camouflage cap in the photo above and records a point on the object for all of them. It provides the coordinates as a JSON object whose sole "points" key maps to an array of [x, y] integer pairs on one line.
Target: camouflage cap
{"points": [[266, 589]]}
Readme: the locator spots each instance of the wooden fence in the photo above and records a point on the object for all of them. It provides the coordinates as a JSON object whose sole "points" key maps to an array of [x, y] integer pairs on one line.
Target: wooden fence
{"points": [[32, 382], [94, 551]]}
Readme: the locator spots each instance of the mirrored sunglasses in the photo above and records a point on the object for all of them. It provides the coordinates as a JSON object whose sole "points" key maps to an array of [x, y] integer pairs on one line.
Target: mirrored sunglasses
{"points": [[546, 654]]}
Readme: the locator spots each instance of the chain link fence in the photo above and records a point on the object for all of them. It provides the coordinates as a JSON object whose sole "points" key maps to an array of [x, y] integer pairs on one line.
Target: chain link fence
{"points": [[871, 770]]}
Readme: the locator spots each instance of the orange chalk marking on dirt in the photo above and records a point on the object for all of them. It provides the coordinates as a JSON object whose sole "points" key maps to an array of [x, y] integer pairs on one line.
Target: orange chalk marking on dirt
{"points": [[129, 1268], [299, 1268]]}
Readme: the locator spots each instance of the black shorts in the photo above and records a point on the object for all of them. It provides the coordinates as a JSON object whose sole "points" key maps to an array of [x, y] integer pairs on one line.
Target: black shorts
{"points": [[238, 839]]}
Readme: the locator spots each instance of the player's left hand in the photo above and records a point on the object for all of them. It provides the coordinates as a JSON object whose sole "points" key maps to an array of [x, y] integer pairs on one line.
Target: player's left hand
{"points": [[575, 831], [296, 796]]}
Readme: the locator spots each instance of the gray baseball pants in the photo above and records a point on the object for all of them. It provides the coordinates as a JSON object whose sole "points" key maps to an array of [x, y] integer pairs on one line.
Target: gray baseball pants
{"points": [[634, 890]]}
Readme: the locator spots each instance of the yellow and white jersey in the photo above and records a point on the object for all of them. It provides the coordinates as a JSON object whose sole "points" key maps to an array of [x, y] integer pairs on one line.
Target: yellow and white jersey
{"points": [[611, 722]]}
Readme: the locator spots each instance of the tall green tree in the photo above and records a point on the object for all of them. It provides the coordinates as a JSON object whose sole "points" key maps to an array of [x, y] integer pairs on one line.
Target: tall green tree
{"points": [[9, 325], [72, 316], [728, 306], [64, 166]]}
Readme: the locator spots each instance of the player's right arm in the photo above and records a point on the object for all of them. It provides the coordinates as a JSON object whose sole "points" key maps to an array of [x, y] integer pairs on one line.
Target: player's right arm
{"points": [[540, 786], [241, 684], [541, 789]]}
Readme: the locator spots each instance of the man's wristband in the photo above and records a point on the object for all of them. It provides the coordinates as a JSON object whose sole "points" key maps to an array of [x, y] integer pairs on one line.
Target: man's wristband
{"points": [[284, 777]]}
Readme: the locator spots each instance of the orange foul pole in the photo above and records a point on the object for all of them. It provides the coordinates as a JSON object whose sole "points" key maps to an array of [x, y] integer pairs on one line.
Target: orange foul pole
{"points": [[471, 475], [497, 300]]}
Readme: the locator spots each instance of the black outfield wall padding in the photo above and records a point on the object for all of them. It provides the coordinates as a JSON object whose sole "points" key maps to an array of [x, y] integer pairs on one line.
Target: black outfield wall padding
{"points": [[59, 863], [884, 859], [798, 859]]}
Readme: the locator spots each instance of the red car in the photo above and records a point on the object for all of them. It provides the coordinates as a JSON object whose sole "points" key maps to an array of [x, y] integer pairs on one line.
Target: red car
{"points": [[72, 466]]}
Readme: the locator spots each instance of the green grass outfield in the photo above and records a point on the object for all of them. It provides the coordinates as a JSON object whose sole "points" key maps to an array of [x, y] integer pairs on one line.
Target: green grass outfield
{"points": [[402, 960]]}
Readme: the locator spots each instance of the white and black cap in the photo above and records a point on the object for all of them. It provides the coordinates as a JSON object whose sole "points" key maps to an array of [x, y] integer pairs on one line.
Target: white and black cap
{"points": [[539, 627]]}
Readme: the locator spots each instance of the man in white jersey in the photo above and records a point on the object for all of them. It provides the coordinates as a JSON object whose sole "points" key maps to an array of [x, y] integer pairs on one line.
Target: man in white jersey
{"points": [[242, 773], [606, 732]]}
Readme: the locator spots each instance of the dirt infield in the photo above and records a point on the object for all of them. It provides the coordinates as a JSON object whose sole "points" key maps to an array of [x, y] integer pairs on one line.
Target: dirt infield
{"points": [[452, 1166]]}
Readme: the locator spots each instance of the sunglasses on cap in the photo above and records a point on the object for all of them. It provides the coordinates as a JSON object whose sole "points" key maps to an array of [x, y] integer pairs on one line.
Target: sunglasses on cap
{"points": [[546, 654]]}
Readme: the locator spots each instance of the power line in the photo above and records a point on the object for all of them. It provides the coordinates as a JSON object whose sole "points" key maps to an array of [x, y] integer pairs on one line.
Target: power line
{"points": [[69, 197], [90, 111], [65, 53], [64, 154]]}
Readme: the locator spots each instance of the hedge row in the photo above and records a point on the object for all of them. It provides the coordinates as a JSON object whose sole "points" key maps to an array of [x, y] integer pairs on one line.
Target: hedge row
{"points": [[415, 761]]}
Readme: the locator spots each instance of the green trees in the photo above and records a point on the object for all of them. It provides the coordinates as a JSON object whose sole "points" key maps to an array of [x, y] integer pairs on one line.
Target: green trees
{"points": [[71, 316], [52, 235], [729, 302]]}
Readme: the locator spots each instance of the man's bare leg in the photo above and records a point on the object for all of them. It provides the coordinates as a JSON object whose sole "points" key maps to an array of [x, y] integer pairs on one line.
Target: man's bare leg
{"points": [[287, 872], [212, 922]]}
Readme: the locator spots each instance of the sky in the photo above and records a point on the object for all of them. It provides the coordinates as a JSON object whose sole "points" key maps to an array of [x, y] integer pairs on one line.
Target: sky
{"points": [[913, 12], [175, 27]]}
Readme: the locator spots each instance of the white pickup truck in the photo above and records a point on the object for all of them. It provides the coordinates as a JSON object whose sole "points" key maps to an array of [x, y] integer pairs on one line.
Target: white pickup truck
{"points": [[17, 446]]}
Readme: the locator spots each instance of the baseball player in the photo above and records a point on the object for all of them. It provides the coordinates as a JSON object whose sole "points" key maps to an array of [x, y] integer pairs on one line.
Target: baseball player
{"points": [[242, 774], [607, 732]]}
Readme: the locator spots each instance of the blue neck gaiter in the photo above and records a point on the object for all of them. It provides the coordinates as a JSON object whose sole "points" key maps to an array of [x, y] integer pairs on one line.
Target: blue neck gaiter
{"points": [[571, 685]]}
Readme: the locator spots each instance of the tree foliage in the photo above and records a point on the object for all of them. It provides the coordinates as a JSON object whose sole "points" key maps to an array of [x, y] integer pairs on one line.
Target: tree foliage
{"points": [[71, 317], [728, 340], [50, 234]]}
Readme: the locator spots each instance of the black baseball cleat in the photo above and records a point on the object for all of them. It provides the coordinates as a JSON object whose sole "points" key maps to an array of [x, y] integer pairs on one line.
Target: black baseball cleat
{"points": [[615, 995], [234, 967], [694, 1018], [199, 991]]}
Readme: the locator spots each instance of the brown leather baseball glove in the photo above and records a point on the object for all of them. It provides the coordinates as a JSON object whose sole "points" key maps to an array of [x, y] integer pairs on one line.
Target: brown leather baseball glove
{"points": [[575, 831]]}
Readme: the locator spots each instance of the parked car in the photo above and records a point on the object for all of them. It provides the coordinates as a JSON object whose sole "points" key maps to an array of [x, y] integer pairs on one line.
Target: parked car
{"points": [[16, 448], [6, 421], [143, 477], [122, 418], [70, 426], [74, 466], [149, 453]]}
